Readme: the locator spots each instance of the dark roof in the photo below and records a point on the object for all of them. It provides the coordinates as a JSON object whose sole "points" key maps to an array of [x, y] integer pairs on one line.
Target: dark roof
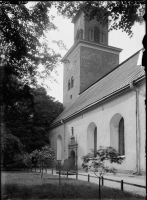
{"points": [[120, 77]]}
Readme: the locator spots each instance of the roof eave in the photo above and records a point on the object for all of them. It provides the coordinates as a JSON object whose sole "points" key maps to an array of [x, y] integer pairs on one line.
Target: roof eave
{"points": [[126, 87]]}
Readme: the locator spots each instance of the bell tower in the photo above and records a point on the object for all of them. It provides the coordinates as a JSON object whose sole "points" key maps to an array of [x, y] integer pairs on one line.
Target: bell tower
{"points": [[89, 59]]}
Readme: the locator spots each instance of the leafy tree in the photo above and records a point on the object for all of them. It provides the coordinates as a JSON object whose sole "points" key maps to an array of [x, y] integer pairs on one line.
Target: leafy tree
{"points": [[10, 146], [23, 38], [100, 162], [31, 126], [24, 47], [43, 158], [23, 160], [122, 14]]}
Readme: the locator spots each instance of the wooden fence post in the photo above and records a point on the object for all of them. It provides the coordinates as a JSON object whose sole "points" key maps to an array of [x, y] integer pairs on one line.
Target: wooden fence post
{"points": [[76, 175], [67, 174], [122, 185], [52, 171], [99, 188], [88, 177], [59, 178], [102, 180]]}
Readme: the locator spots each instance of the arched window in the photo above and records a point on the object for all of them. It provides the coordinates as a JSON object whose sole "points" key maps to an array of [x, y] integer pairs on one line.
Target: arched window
{"points": [[69, 85], [117, 135], [92, 138], [72, 82], [95, 141], [59, 148], [121, 137]]}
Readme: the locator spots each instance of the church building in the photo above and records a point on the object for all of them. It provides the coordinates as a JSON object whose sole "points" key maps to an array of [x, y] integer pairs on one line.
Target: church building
{"points": [[104, 101]]}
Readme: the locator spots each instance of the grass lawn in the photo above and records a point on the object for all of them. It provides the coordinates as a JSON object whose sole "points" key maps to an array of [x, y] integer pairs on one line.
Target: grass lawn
{"points": [[17, 185]]}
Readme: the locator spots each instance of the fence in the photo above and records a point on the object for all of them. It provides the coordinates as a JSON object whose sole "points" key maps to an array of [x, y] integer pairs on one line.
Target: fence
{"points": [[101, 179]]}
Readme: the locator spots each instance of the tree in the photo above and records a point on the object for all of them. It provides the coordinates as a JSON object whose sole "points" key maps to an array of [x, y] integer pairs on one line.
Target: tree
{"points": [[43, 158], [31, 126], [122, 14], [100, 161], [24, 46], [23, 38], [10, 146]]}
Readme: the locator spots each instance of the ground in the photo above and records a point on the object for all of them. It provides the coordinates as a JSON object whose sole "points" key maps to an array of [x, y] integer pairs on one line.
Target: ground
{"points": [[17, 185]]}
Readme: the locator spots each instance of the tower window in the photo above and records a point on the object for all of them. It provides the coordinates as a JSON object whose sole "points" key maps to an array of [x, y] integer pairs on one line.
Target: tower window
{"points": [[91, 34], [72, 82], [79, 34], [94, 34], [69, 85], [102, 37]]}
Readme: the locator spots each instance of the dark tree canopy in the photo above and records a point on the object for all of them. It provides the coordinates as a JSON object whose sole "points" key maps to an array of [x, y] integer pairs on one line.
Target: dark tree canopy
{"points": [[22, 29], [31, 126], [122, 14]]}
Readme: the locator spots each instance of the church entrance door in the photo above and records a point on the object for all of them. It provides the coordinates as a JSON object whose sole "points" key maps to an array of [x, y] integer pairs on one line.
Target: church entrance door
{"points": [[72, 156]]}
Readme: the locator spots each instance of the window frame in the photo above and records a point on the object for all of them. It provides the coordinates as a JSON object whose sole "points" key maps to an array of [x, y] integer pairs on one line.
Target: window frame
{"points": [[102, 37], [69, 84], [91, 36], [72, 82], [121, 138]]}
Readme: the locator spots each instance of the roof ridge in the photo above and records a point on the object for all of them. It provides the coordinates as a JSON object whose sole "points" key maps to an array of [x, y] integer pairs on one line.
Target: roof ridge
{"points": [[111, 71]]}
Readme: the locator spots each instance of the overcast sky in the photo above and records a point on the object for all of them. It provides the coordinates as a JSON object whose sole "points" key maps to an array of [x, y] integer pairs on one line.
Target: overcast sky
{"points": [[66, 34]]}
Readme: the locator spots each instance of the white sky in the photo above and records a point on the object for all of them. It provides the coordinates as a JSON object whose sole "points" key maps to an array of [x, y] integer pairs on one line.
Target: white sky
{"points": [[66, 34]]}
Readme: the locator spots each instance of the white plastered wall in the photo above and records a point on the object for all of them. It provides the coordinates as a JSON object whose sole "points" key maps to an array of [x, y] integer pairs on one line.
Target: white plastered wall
{"points": [[101, 115]]}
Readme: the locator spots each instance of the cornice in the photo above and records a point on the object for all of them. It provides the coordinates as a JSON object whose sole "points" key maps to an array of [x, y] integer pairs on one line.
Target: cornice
{"points": [[93, 45]]}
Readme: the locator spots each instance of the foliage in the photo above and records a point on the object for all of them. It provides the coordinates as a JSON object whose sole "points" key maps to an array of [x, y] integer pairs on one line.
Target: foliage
{"points": [[43, 157], [10, 146], [23, 160], [23, 37], [29, 124], [24, 47], [122, 14], [101, 160]]}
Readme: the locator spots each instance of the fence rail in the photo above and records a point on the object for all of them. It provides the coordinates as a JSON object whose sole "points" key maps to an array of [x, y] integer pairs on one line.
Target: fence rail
{"points": [[67, 173], [121, 181]]}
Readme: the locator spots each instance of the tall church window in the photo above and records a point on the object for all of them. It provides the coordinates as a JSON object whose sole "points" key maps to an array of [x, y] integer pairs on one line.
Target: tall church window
{"points": [[95, 141], [117, 134], [72, 82], [69, 84], [121, 140]]}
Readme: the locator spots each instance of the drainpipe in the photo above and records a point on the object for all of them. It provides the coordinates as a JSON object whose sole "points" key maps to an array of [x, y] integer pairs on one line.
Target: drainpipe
{"points": [[137, 130]]}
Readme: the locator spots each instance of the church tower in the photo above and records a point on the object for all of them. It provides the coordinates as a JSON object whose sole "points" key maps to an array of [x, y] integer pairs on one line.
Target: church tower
{"points": [[89, 59]]}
